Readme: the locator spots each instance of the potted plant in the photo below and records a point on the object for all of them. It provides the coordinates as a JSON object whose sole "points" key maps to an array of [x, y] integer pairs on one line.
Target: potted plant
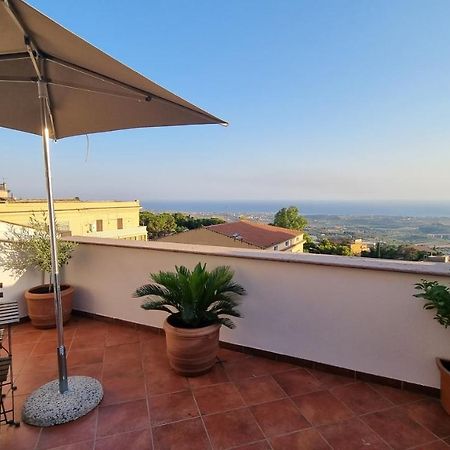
{"points": [[196, 301], [29, 248], [437, 298]]}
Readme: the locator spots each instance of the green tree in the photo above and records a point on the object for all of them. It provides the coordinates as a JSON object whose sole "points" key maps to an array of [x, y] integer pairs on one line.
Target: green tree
{"points": [[158, 225], [290, 218], [327, 247], [392, 251], [188, 222]]}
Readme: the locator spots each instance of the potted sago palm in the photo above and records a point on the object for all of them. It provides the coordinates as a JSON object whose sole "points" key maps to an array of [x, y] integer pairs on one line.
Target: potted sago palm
{"points": [[196, 302], [29, 248], [437, 298]]}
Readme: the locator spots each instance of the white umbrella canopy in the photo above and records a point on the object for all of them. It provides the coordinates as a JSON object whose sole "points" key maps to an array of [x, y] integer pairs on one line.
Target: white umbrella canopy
{"points": [[55, 84]]}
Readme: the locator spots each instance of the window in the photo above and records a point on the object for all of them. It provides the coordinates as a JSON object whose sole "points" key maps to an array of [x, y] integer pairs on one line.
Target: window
{"points": [[287, 243], [120, 224], [99, 225], [276, 247]]}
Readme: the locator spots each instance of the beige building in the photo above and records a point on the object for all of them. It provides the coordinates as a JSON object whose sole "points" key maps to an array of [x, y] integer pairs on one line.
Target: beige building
{"points": [[109, 219], [243, 234], [358, 246]]}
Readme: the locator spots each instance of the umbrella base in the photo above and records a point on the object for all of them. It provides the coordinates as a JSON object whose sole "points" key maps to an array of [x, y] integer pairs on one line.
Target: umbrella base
{"points": [[46, 406]]}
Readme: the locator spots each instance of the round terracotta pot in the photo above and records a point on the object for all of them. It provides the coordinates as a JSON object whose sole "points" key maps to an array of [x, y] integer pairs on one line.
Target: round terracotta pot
{"points": [[444, 369], [192, 351], [41, 305]]}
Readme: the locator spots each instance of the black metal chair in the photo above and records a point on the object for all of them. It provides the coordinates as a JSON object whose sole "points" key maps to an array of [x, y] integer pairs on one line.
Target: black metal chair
{"points": [[9, 314]]}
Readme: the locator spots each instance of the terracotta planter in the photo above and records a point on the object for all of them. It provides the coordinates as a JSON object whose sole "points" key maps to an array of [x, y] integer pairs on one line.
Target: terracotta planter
{"points": [[444, 369], [192, 351], [41, 305]]}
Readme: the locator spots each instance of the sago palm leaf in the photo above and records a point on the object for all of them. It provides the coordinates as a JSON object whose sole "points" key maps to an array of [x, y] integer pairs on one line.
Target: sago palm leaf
{"points": [[199, 296]]}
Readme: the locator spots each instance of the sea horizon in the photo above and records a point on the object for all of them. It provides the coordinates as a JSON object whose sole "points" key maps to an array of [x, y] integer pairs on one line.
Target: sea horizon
{"points": [[306, 207]]}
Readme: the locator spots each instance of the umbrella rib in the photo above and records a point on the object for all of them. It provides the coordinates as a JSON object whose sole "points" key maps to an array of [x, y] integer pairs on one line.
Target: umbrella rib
{"points": [[148, 95], [31, 48]]}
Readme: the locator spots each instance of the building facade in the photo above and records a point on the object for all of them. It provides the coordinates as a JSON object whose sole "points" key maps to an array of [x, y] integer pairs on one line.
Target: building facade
{"points": [[109, 219]]}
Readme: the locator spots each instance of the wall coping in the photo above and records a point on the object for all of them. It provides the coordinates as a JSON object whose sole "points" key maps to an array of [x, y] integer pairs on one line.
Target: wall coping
{"points": [[354, 262]]}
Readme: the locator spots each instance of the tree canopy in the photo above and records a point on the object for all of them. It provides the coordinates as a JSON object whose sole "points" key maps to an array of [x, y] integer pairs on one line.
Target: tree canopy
{"points": [[290, 218], [163, 224], [327, 247], [392, 251]]}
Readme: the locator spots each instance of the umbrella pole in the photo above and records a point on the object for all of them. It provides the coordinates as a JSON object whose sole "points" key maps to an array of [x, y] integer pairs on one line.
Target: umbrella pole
{"points": [[61, 350]]}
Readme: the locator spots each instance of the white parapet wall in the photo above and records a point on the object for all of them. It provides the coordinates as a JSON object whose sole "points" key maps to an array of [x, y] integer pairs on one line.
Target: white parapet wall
{"points": [[349, 312]]}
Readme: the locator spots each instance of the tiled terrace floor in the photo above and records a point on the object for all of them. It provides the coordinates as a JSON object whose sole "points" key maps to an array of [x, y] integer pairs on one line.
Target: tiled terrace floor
{"points": [[245, 403]]}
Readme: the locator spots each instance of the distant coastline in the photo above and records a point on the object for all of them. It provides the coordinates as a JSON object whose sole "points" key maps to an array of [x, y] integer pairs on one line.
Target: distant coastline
{"points": [[307, 207]]}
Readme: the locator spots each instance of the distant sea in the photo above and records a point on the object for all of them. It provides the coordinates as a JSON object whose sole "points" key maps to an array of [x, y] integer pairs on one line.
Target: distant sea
{"points": [[307, 207]]}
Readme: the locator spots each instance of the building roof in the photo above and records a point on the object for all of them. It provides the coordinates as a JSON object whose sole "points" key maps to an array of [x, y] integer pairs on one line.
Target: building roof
{"points": [[258, 234]]}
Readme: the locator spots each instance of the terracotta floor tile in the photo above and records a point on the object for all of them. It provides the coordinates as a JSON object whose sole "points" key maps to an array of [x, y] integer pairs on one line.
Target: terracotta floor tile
{"points": [[147, 335], [83, 357], [81, 429], [158, 365], [218, 398], [234, 428], [24, 437], [259, 390], [301, 440], [47, 347], [83, 342], [39, 363], [329, 380], [321, 408], [22, 350], [123, 388], [396, 396], [264, 366], [215, 376], [85, 445], [91, 330], [298, 381], [431, 415], [261, 445], [168, 408], [184, 435], [436, 445], [226, 355], [29, 337], [397, 429], [122, 417], [244, 368], [361, 398], [87, 370], [155, 347], [163, 383], [279, 417], [27, 382], [118, 335], [52, 335], [122, 354], [133, 440], [352, 434]]}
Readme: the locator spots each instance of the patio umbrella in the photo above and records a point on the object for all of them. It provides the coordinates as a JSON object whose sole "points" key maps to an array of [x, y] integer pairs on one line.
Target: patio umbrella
{"points": [[55, 84]]}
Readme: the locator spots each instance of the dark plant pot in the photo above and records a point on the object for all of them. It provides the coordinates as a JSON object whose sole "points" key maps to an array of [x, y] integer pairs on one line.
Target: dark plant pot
{"points": [[444, 369], [41, 305], [192, 351]]}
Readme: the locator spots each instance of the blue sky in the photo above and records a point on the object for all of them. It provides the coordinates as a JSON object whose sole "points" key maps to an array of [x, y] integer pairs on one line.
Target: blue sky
{"points": [[331, 100]]}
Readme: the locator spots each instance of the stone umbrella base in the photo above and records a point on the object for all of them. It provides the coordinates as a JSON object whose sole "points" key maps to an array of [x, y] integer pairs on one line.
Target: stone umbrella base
{"points": [[47, 406]]}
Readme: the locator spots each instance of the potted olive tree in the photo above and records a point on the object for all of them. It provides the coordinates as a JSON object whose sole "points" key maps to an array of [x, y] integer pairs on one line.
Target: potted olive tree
{"points": [[437, 298], [29, 248], [196, 302]]}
